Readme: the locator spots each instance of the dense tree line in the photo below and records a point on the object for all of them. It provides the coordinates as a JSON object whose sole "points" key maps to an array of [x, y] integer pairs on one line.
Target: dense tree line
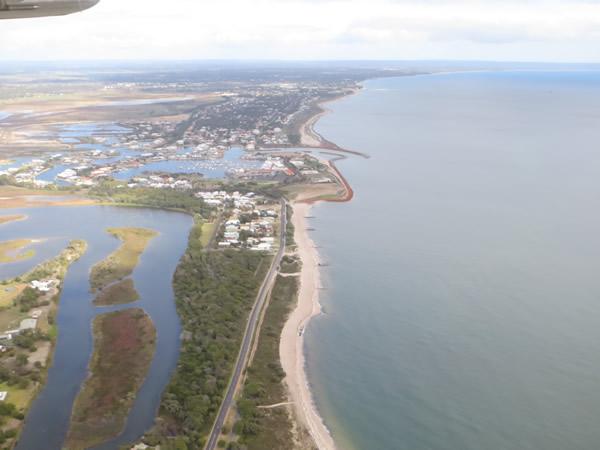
{"points": [[28, 299], [214, 294], [154, 198], [6, 180], [290, 229]]}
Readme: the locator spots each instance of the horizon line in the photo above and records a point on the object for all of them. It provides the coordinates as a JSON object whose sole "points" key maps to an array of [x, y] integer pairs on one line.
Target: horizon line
{"points": [[298, 61]]}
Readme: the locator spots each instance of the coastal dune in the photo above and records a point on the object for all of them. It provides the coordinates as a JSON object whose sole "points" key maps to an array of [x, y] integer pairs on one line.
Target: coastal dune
{"points": [[291, 344]]}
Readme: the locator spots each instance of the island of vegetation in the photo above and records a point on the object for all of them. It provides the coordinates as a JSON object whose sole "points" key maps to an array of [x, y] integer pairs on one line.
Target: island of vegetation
{"points": [[124, 344], [121, 263], [7, 219], [120, 293], [28, 307], [9, 251]]}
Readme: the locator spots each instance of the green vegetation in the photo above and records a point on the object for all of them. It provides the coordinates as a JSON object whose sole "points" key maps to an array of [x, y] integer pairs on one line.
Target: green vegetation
{"points": [[17, 298], [118, 294], [9, 292], [6, 180], [289, 230], [15, 395], [28, 338], [122, 262], [290, 264], [8, 411], [214, 294], [262, 428], [154, 198], [7, 219], [13, 247], [208, 229], [57, 267], [23, 364], [28, 299], [20, 379], [124, 343]]}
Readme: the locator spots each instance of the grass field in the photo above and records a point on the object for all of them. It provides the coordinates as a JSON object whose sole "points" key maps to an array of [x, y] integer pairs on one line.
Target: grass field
{"points": [[10, 318], [13, 247], [18, 397], [121, 263], [208, 228], [117, 294], [7, 219], [9, 292], [124, 343]]}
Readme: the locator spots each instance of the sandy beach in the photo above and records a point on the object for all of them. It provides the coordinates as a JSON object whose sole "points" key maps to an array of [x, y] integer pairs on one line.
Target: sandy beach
{"points": [[308, 136], [291, 344], [292, 341]]}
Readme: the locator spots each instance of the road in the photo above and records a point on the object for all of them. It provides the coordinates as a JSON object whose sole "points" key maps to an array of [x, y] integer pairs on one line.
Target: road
{"points": [[252, 321], [211, 243]]}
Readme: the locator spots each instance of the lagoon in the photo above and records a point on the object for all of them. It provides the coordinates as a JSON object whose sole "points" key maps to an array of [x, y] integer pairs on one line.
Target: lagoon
{"points": [[47, 423]]}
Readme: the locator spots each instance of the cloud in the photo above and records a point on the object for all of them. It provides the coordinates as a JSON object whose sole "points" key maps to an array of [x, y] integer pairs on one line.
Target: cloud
{"points": [[312, 29], [489, 23]]}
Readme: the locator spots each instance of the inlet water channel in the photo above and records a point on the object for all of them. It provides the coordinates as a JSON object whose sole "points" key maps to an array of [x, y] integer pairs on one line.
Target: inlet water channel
{"points": [[47, 423]]}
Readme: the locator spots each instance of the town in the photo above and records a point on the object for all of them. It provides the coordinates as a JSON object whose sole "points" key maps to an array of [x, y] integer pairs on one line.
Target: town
{"points": [[250, 220]]}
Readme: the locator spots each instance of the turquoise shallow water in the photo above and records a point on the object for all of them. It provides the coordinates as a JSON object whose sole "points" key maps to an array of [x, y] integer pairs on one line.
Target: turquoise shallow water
{"points": [[463, 295]]}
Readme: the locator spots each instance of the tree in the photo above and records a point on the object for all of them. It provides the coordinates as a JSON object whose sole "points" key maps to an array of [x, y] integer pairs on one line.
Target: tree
{"points": [[23, 383], [22, 359]]}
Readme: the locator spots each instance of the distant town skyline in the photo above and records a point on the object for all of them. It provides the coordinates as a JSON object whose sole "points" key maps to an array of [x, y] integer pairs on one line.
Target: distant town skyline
{"points": [[495, 30]]}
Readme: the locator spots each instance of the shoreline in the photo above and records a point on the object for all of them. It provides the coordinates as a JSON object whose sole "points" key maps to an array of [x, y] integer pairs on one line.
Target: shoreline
{"points": [[309, 138], [291, 346]]}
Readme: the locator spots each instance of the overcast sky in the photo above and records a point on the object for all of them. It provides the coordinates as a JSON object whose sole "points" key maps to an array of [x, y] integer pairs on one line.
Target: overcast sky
{"points": [[525, 30]]}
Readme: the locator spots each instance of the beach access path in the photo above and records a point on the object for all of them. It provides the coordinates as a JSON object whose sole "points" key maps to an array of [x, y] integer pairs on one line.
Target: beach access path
{"points": [[250, 329]]}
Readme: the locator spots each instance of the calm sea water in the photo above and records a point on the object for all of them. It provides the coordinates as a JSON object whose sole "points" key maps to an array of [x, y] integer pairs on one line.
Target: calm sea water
{"points": [[463, 307]]}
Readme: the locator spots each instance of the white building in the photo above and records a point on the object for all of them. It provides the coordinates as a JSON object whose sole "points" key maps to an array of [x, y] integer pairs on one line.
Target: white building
{"points": [[262, 247], [69, 173], [42, 286]]}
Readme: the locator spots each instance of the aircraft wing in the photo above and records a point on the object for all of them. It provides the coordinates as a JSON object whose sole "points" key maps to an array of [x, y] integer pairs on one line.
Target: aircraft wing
{"points": [[21, 9]]}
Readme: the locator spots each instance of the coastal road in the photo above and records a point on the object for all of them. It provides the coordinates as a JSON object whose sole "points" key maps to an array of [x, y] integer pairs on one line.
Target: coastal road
{"points": [[252, 321]]}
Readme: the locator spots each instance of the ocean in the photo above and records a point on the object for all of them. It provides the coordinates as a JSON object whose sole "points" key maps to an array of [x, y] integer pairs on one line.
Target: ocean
{"points": [[462, 301]]}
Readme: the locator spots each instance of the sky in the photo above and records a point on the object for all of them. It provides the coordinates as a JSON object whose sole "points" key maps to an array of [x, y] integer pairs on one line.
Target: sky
{"points": [[496, 30]]}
